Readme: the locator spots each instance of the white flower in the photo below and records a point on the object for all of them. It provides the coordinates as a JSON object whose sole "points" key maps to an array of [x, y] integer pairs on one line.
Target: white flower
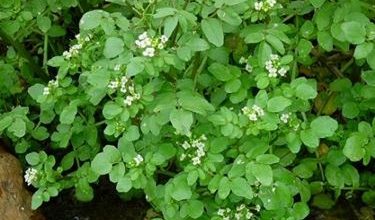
{"points": [[160, 46], [242, 60], [163, 39], [183, 156], [274, 57], [128, 101], [271, 3], [258, 6], [30, 176], [253, 117], [149, 52], [117, 67], [257, 208], [186, 145], [258, 110], [282, 71], [196, 160], [138, 159], [248, 68], [249, 215], [221, 212], [238, 216], [285, 117], [241, 207], [46, 91], [113, 84], [143, 36], [67, 55]]}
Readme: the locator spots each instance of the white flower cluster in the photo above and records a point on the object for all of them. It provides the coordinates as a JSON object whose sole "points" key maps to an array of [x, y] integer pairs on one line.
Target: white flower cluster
{"points": [[285, 117], [195, 148], [248, 67], [125, 86], [52, 84], [74, 50], [149, 44], [240, 213], [273, 67], [264, 6], [254, 113], [30, 175], [138, 160]]}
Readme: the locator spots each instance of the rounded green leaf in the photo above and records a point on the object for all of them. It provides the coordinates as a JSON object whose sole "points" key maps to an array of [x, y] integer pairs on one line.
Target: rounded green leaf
{"points": [[278, 104], [213, 30], [324, 126]]}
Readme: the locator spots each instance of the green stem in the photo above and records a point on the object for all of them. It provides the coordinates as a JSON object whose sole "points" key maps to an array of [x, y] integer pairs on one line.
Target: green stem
{"points": [[200, 69], [45, 54]]}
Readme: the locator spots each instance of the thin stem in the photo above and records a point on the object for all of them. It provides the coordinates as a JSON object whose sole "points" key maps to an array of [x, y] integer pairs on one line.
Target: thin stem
{"points": [[45, 54], [320, 166], [199, 70]]}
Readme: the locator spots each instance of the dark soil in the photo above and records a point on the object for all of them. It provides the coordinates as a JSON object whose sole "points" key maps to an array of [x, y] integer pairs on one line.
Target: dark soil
{"points": [[106, 205]]}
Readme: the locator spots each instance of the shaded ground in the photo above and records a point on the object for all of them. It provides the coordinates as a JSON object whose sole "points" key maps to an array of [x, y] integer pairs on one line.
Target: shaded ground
{"points": [[106, 205]]}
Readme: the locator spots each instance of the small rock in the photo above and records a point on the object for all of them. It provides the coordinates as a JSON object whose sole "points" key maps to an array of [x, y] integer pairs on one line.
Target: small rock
{"points": [[15, 200]]}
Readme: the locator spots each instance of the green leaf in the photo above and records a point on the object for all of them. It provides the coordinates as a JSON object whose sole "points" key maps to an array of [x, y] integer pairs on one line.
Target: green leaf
{"points": [[36, 200], [181, 120], [254, 38], [334, 176], [91, 19], [68, 114], [264, 53], [305, 91], [371, 59], [232, 86], [84, 192], [369, 77], [111, 110], [363, 50], [309, 138], [33, 158], [304, 47], [170, 25], [124, 184], [220, 71], [323, 201], [262, 172], [354, 32], [195, 208], [300, 210], [241, 187], [113, 47], [194, 102], [275, 43], [267, 159], [317, 3], [354, 147], [229, 16], [324, 126], [44, 23], [181, 190], [325, 40], [5, 122], [224, 188], [18, 128], [350, 110], [132, 133], [213, 30], [101, 164], [278, 104]]}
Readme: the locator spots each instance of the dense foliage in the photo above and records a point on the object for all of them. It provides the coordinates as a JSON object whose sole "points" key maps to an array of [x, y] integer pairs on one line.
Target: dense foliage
{"points": [[214, 109]]}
